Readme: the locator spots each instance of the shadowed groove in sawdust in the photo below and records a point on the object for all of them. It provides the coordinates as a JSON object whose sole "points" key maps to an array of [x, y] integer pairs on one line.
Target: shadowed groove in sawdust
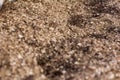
{"points": [[113, 29], [77, 20], [100, 6], [55, 60]]}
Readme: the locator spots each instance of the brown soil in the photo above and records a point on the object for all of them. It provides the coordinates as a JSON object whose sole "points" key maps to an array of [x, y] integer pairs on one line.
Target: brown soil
{"points": [[60, 40]]}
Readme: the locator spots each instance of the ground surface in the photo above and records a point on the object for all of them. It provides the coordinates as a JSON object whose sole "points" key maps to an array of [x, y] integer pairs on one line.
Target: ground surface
{"points": [[60, 40]]}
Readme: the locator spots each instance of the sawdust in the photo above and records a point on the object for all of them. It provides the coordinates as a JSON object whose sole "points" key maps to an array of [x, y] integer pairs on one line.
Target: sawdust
{"points": [[60, 40]]}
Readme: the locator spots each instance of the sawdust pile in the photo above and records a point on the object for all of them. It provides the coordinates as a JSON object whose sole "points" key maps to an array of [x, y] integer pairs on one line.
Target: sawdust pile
{"points": [[60, 40]]}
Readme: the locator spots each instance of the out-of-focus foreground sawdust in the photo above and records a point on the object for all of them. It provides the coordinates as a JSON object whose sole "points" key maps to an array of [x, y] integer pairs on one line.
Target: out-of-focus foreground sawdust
{"points": [[60, 40]]}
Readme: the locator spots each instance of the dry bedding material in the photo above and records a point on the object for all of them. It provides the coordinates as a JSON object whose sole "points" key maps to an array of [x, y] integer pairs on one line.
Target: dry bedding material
{"points": [[60, 40]]}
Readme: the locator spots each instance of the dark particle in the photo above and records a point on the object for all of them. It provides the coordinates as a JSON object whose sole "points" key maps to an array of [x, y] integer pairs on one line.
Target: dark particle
{"points": [[30, 77]]}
